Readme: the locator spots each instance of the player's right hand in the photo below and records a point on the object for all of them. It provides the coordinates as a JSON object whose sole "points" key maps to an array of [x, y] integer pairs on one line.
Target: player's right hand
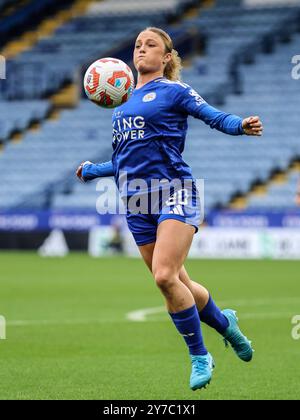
{"points": [[79, 170]]}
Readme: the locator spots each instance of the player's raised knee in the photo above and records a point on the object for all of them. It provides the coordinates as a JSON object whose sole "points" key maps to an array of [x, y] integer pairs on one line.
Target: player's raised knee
{"points": [[164, 277]]}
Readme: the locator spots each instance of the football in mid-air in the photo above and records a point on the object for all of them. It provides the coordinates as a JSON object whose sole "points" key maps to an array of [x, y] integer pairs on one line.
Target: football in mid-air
{"points": [[109, 82]]}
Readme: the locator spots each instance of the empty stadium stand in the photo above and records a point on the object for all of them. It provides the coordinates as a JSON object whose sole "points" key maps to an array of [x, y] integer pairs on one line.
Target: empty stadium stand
{"points": [[278, 195]]}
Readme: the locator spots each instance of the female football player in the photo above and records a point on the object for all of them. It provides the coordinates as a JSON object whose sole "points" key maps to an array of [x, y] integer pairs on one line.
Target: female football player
{"points": [[148, 139]]}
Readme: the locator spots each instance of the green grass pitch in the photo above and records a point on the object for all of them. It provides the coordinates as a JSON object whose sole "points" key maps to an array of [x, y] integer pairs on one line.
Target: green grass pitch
{"points": [[68, 336]]}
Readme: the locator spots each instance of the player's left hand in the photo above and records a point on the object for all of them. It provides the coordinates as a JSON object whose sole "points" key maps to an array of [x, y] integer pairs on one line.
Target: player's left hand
{"points": [[253, 126]]}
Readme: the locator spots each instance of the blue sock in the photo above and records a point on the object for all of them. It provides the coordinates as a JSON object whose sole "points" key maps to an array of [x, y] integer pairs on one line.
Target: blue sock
{"points": [[187, 323], [212, 316]]}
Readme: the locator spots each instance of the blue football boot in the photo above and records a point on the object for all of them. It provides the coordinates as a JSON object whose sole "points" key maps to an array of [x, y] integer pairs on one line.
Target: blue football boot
{"points": [[202, 367], [240, 344]]}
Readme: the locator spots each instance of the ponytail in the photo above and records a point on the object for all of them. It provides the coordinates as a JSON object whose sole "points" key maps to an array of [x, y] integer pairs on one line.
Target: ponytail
{"points": [[174, 67]]}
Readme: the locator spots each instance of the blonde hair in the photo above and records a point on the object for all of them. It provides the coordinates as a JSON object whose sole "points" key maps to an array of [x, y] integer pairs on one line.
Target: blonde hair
{"points": [[174, 67]]}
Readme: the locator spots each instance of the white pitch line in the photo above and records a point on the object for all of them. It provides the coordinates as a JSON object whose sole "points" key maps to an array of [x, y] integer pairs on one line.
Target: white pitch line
{"points": [[39, 322], [141, 315], [242, 316], [136, 316]]}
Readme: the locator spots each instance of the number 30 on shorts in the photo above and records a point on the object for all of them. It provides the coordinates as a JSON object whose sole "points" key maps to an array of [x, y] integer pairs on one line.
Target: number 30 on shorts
{"points": [[180, 197]]}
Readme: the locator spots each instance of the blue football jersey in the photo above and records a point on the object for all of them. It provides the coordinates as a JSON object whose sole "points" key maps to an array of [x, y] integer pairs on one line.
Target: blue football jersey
{"points": [[149, 132]]}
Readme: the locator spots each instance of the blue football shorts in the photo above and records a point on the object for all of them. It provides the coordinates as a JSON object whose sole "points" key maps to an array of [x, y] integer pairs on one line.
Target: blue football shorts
{"points": [[146, 211]]}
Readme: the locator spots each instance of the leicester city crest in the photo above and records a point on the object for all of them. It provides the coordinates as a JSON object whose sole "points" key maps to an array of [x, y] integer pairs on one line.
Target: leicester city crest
{"points": [[149, 97]]}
